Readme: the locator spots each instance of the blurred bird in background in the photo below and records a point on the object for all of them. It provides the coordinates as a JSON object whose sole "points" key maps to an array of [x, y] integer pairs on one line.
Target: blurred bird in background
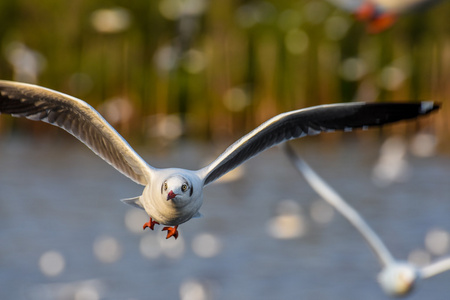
{"points": [[397, 278], [382, 14]]}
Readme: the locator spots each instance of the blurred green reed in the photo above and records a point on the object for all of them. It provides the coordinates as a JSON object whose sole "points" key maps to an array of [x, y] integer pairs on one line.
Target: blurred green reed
{"points": [[218, 68]]}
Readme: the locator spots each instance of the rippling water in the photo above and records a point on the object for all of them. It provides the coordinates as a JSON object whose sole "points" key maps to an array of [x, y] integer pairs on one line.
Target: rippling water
{"points": [[64, 234]]}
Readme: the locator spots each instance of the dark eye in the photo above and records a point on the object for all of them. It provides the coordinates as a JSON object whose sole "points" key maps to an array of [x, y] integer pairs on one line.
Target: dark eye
{"points": [[184, 187], [165, 186]]}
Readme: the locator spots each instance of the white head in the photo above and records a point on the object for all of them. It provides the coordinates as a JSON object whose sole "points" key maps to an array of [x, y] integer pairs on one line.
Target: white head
{"points": [[398, 279], [178, 189]]}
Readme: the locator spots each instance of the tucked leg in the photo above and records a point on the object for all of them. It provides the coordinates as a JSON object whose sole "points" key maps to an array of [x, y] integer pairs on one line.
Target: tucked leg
{"points": [[171, 231], [150, 224]]}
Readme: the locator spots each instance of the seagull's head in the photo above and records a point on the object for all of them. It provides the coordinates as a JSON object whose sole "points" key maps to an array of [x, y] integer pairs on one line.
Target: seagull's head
{"points": [[177, 188], [398, 279]]}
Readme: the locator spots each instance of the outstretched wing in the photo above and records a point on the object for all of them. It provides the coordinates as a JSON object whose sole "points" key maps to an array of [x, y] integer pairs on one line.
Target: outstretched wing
{"points": [[435, 268], [310, 121], [76, 117], [334, 199]]}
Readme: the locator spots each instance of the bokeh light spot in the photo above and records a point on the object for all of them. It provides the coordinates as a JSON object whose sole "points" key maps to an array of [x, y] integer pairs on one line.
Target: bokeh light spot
{"points": [[391, 78], [236, 99], [424, 144], [336, 27], [206, 245], [87, 293], [296, 41], [193, 289], [134, 219], [111, 20], [419, 257], [289, 223], [52, 263], [437, 241], [353, 69], [107, 249]]}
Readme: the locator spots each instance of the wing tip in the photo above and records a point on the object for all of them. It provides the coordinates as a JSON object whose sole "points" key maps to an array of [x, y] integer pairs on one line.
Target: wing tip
{"points": [[428, 106]]}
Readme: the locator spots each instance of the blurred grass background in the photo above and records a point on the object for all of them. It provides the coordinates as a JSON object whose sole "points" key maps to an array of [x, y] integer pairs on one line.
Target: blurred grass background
{"points": [[216, 69]]}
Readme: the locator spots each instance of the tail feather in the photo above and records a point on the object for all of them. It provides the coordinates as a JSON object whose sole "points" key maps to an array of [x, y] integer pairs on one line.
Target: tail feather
{"points": [[135, 202]]}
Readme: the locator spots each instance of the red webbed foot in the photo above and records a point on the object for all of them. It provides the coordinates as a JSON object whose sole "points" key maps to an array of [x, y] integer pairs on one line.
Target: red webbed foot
{"points": [[381, 23], [377, 21], [150, 224], [171, 231]]}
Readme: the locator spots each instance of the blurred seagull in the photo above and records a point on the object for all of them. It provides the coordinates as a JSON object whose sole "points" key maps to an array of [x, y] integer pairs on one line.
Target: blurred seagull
{"points": [[173, 196], [397, 278], [382, 14]]}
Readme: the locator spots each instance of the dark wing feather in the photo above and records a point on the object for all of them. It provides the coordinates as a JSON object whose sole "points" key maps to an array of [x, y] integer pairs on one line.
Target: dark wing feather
{"points": [[76, 117], [310, 121]]}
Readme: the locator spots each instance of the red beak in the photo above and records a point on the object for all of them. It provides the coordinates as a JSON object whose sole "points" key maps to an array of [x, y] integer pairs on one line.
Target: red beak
{"points": [[171, 195]]}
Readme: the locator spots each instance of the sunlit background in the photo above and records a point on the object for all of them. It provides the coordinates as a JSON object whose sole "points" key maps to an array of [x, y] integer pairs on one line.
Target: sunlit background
{"points": [[181, 80]]}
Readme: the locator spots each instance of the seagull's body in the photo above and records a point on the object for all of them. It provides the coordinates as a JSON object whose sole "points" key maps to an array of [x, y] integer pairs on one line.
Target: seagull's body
{"points": [[173, 196], [397, 278]]}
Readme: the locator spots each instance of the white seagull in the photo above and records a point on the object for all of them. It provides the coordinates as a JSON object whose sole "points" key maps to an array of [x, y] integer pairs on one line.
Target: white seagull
{"points": [[173, 196], [397, 278]]}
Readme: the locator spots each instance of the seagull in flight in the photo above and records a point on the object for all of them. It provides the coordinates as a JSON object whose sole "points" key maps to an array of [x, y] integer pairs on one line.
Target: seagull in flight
{"points": [[382, 14], [173, 196], [397, 278]]}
